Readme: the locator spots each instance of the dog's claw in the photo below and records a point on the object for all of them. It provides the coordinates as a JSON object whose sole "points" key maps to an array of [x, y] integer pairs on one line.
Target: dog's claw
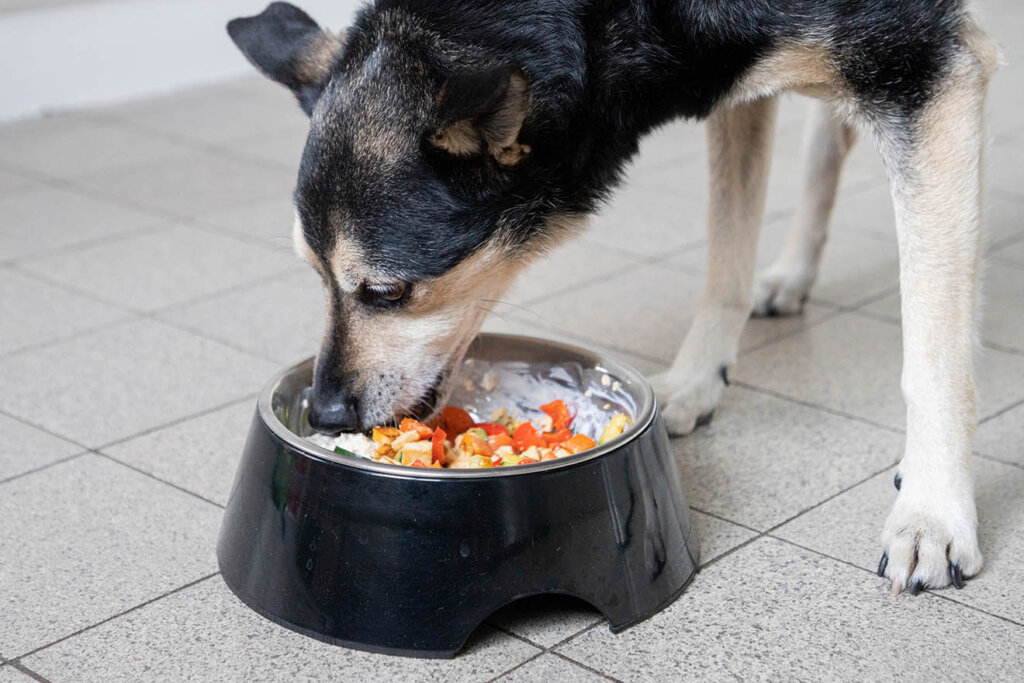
{"points": [[705, 419], [897, 481], [883, 563], [915, 588], [956, 575], [724, 372]]}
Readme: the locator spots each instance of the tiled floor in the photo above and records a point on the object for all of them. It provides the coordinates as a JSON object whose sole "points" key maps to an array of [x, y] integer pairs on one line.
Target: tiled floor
{"points": [[147, 289]]}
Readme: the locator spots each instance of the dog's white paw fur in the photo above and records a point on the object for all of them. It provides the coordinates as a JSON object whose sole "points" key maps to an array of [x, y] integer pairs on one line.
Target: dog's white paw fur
{"points": [[783, 289], [930, 538], [688, 400]]}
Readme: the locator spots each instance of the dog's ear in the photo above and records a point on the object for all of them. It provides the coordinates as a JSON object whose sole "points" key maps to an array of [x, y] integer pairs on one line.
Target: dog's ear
{"points": [[287, 46], [482, 113]]}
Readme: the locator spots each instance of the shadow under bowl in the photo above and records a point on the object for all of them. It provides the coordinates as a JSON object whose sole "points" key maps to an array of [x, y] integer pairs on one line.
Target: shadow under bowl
{"points": [[411, 561]]}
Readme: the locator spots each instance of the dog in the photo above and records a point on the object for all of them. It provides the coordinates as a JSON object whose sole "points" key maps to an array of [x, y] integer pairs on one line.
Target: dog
{"points": [[452, 142]]}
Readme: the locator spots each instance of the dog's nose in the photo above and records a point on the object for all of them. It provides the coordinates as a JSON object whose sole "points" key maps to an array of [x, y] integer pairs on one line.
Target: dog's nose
{"points": [[334, 414]]}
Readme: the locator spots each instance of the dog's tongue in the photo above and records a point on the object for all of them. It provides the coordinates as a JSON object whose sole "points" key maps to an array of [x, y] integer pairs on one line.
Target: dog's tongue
{"points": [[593, 395]]}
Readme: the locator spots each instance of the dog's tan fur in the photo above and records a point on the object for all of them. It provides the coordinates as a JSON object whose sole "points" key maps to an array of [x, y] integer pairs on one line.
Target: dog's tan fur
{"points": [[496, 132]]}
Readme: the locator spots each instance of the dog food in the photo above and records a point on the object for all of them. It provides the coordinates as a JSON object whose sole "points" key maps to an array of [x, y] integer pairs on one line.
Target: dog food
{"points": [[456, 440]]}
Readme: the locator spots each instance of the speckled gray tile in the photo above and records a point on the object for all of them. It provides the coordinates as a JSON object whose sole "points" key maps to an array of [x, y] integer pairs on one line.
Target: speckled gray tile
{"points": [[1011, 253], [14, 183], [647, 310], [852, 364], [546, 619], [567, 267], [1002, 164], [772, 611], [855, 265], [8, 674], [848, 528], [282, 147], [93, 539], [763, 459], [647, 223], [46, 218], [1003, 436], [282, 318], [1003, 218], [270, 221], [511, 320], [25, 448], [35, 312], [117, 382], [193, 185], [226, 641], [210, 115], [1002, 321], [66, 148], [199, 455], [162, 268], [717, 536], [551, 667]]}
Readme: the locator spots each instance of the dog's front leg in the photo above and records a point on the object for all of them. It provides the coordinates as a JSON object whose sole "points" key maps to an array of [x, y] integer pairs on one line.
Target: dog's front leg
{"points": [[739, 148], [930, 536]]}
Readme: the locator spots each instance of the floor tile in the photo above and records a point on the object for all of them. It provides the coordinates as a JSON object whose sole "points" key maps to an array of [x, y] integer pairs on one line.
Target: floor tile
{"points": [[282, 318], [199, 455], [648, 310], [1001, 319], [211, 115], [848, 528], [193, 185], [852, 364], [118, 382], [546, 620], [93, 539], [226, 641], [1011, 253], [14, 183], [1001, 162], [775, 612], [65, 147], [551, 667], [1003, 436], [163, 268], [282, 147], [647, 223], [269, 221], [763, 460], [1002, 218], [8, 674], [567, 267], [511, 320], [25, 448], [854, 266], [23, 301], [47, 218], [716, 536]]}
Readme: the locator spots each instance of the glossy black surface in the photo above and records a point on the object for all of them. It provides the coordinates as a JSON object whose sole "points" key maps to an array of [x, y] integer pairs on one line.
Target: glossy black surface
{"points": [[411, 564]]}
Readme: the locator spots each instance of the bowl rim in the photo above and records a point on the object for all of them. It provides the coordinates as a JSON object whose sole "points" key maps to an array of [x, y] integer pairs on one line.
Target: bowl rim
{"points": [[646, 412]]}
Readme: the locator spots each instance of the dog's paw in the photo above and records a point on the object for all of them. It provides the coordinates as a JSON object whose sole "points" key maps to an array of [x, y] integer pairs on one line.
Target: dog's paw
{"points": [[930, 538], [689, 400], [782, 290]]}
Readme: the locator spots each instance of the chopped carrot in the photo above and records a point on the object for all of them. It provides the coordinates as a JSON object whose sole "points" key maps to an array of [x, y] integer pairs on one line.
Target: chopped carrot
{"points": [[422, 430], [578, 444]]}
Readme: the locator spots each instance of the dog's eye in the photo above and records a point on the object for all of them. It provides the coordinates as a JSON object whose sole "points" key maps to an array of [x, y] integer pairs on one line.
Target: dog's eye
{"points": [[385, 295]]}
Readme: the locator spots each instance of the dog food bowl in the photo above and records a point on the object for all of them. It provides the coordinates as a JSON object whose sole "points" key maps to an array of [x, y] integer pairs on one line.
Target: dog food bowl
{"points": [[410, 561]]}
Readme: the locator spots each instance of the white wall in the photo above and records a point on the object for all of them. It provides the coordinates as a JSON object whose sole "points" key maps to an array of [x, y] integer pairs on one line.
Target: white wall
{"points": [[79, 55]]}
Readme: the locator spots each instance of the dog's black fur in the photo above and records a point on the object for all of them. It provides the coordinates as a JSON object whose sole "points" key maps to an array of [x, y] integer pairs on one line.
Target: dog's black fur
{"points": [[602, 73]]}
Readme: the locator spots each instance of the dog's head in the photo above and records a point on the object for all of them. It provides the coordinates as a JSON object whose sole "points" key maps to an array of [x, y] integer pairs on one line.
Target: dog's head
{"points": [[412, 200]]}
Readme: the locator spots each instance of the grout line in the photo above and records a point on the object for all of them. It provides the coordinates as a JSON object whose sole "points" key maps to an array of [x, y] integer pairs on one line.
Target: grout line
{"points": [[15, 664], [930, 591], [43, 467], [117, 616], [113, 238], [1001, 411], [808, 404], [992, 458], [150, 475], [830, 315], [176, 421], [517, 666], [117, 322], [584, 666], [724, 519], [41, 428], [549, 649]]}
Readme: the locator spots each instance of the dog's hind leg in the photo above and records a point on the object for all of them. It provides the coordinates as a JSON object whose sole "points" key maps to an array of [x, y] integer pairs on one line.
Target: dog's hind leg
{"points": [[930, 536], [740, 141], [784, 286]]}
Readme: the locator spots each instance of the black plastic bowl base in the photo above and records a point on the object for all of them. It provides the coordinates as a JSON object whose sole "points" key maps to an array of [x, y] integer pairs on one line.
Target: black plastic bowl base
{"points": [[410, 562]]}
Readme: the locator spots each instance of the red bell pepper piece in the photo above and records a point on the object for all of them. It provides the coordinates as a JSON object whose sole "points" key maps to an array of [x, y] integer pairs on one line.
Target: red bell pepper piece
{"points": [[557, 437], [525, 436], [437, 445], [499, 440], [410, 425], [491, 429], [561, 418]]}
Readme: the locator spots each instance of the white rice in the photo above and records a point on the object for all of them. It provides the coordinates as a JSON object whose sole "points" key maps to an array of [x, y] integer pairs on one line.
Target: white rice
{"points": [[360, 444]]}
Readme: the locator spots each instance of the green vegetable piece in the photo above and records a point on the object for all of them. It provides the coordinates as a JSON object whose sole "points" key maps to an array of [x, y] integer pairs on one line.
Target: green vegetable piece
{"points": [[478, 433]]}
